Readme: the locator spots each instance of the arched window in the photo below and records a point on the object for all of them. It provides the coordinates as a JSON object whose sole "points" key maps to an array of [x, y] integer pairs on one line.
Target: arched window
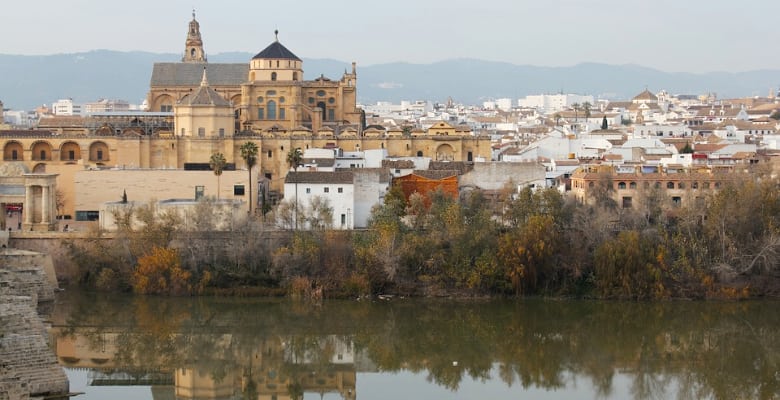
{"points": [[321, 106], [670, 185], [632, 185], [419, 153], [43, 154], [621, 185], [271, 109], [192, 52], [273, 76]]}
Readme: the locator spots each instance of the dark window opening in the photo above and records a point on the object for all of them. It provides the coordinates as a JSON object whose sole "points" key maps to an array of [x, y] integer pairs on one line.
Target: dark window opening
{"points": [[238, 190], [87, 215]]}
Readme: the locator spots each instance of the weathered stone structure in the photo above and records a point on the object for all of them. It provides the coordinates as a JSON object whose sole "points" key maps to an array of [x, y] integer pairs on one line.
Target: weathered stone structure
{"points": [[28, 366]]}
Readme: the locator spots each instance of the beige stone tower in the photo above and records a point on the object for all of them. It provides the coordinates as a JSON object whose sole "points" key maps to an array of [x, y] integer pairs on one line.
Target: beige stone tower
{"points": [[193, 47]]}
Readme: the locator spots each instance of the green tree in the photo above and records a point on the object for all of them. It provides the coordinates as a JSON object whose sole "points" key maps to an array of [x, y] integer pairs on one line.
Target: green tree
{"points": [[587, 107], [294, 160], [687, 149], [604, 124], [249, 153], [576, 107], [217, 164]]}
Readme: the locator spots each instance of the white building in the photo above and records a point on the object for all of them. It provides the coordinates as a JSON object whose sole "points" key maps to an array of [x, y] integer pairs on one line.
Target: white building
{"points": [[65, 107], [105, 105], [349, 194], [549, 103]]}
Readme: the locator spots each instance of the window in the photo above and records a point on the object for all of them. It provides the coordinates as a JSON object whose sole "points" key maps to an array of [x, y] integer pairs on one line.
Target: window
{"points": [[311, 100], [321, 93], [681, 185], [182, 131], [238, 190], [308, 190], [270, 93], [260, 113], [670, 185], [87, 215], [340, 190], [419, 153], [166, 108], [343, 219], [632, 185], [331, 114], [43, 154], [281, 99], [295, 76], [469, 157], [14, 155], [621, 185], [71, 155], [694, 185], [326, 190], [331, 100], [221, 132], [676, 201], [201, 132], [273, 75], [259, 99], [270, 153], [271, 109], [281, 113], [199, 192], [99, 154], [627, 202]]}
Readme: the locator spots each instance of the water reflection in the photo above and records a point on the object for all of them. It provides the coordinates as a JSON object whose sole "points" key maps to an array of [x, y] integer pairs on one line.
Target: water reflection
{"points": [[274, 349]]}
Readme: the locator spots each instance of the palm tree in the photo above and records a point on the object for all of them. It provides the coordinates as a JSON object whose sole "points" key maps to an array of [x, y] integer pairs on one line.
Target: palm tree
{"points": [[576, 107], [587, 106], [294, 160], [217, 164], [249, 154]]}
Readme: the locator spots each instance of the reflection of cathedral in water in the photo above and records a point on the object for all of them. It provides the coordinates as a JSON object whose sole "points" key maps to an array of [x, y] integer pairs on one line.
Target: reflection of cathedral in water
{"points": [[274, 368]]}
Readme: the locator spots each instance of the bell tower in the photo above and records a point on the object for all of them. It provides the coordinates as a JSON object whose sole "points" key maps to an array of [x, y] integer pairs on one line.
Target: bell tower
{"points": [[193, 47]]}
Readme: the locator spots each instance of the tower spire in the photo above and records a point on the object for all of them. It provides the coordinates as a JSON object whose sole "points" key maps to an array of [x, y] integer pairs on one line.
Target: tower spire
{"points": [[204, 81], [193, 46]]}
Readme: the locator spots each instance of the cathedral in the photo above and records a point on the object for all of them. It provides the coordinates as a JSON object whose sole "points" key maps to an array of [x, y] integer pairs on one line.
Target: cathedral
{"points": [[267, 93], [197, 109]]}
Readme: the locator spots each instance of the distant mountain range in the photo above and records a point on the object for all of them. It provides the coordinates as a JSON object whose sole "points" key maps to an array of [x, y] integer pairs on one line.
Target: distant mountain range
{"points": [[29, 81]]}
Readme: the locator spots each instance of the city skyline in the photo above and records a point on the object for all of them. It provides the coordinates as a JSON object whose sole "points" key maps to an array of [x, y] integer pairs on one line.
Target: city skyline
{"points": [[705, 36]]}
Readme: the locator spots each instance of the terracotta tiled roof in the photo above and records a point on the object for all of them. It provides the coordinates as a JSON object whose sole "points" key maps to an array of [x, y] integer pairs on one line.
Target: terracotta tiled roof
{"points": [[645, 95], [398, 164], [61, 121], [435, 174]]}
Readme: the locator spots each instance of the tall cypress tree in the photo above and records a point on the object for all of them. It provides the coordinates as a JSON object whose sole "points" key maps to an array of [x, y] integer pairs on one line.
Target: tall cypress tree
{"points": [[604, 124]]}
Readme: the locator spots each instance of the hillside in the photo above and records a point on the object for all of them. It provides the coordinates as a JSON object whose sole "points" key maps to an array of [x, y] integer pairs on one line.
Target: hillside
{"points": [[29, 81]]}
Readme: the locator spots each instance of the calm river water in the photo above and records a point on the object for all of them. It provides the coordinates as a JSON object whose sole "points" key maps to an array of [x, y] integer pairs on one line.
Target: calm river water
{"points": [[132, 347]]}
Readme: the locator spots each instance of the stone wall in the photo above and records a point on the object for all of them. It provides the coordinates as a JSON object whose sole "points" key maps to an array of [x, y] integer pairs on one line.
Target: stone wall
{"points": [[28, 366]]}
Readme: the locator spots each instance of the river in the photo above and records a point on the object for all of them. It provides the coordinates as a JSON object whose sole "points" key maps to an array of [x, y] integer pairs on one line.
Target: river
{"points": [[134, 347]]}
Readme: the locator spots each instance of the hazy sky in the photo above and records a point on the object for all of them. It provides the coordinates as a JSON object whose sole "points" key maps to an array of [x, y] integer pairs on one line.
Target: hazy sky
{"points": [[671, 35]]}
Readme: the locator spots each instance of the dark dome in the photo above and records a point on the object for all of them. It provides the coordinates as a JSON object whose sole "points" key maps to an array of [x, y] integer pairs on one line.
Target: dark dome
{"points": [[276, 51]]}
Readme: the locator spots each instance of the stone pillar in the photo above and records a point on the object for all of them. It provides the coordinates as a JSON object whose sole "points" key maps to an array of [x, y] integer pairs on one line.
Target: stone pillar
{"points": [[28, 204], [45, 205]]}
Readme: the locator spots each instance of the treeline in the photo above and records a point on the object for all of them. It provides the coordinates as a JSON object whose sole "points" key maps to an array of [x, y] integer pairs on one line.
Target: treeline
{"points": [[724, 245]]}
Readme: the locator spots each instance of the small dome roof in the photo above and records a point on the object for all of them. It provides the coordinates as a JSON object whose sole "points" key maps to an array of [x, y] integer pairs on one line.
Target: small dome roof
{"points": [[276, 51]]}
